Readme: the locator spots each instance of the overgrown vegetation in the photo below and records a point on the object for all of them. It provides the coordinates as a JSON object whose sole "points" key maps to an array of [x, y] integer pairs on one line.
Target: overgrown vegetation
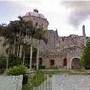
{"points": [[14, 61], [85, 59], [16, 33], [2, 64], [35, 80], [17, 70], [8, 62]]}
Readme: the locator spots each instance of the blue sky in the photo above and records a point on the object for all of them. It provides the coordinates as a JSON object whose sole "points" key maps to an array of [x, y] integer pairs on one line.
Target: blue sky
{"points": [[66, 17]]}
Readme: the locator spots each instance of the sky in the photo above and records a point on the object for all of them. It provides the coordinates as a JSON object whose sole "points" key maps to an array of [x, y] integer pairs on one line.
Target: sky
{"points": [[67, 16]]}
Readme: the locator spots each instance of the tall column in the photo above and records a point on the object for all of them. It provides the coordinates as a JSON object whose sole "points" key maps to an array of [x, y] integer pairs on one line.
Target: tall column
{"points": [[84, 34]]}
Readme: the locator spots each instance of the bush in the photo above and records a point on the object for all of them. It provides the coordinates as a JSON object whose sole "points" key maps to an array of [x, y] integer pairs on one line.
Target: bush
{"points": [[17, 70], [34, 80], [3, 62], [85, 59], [14, 61], [41, 67], [38, 79]]}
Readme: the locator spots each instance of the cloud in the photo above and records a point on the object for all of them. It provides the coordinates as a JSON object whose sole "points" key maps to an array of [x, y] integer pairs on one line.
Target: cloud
{"points": [[79, 11]]}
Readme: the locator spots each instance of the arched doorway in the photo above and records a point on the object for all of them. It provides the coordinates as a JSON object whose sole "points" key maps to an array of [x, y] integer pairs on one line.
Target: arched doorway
{"points": [[75, 63]]}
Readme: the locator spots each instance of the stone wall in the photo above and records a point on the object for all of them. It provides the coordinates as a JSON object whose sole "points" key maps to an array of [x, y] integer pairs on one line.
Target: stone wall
{"points": [[52, 43], [72, 40], [59, 48], [37, 19]]}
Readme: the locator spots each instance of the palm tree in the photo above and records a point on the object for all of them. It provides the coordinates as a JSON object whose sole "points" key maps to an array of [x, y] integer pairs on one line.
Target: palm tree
{"points": [[17, 29], [16, 33], [40, 35], [13, 37], [34, 33], [21, 29], [31, 32], [3, 33]]}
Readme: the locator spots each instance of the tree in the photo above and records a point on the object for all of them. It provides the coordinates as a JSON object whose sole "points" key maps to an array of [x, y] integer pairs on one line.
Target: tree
{"points": [[13, 33], [30, 31], [40, 35], [16, 33], [4, 33], [85, 59]]}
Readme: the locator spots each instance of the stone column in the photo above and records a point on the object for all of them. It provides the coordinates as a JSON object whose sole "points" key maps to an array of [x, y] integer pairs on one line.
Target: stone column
{"points": [[84, 34]]}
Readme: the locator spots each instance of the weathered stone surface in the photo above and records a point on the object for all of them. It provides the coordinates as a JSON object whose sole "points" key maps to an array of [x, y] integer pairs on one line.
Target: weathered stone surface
{"points": [[59, 48]]}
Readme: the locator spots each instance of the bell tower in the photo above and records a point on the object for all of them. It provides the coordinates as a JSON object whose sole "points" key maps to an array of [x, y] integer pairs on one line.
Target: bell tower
{"points": [[84, 34]]}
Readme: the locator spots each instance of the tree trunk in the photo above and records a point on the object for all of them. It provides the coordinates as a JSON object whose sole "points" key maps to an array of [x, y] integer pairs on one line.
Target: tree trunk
{"points": [[7, 62], [30, 66], [14, 47], [30, 57], [23, 57], [17, 50], [37, 58], [20, 53]]}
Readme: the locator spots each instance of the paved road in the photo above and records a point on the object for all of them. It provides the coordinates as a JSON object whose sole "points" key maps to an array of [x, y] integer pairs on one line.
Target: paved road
{"points": [[66, 82], [11, 82], [71, 82]]}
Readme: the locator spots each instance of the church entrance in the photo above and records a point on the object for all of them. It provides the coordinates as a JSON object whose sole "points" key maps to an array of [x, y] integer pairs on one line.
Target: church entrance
{"points": [[75, 63]]}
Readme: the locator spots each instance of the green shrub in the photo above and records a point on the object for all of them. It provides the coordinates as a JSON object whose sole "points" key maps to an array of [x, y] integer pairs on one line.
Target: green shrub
{"points": [[85, 59], [14, 61], [2, 64], [82, 62], [17, 70], [38, 78], [41, 67]]}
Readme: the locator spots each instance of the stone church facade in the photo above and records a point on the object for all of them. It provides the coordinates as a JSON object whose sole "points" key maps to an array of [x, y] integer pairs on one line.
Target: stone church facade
{"points": [[59, 52], [62, 52]]}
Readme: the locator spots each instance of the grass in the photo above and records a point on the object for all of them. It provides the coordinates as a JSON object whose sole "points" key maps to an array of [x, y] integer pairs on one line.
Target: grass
{"points": [[64, 71]]}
